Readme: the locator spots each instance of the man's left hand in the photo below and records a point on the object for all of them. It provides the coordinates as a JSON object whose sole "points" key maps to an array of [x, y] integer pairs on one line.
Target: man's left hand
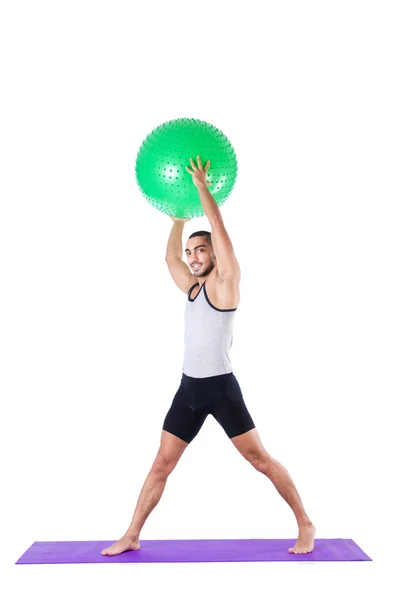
{"points": [[199, 174]]}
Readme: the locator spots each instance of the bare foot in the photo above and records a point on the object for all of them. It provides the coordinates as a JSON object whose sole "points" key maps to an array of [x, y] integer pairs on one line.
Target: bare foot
{"points": [[305, 542], [126, 543]]}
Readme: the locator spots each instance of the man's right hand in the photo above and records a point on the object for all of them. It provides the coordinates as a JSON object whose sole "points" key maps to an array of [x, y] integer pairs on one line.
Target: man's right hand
{"points": [[179, 220]]}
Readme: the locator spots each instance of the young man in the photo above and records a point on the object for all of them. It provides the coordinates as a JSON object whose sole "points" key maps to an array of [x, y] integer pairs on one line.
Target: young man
{"points": [[208, 385]]}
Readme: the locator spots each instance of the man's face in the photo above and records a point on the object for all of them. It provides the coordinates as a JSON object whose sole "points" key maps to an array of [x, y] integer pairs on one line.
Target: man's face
{"points": [[200, 256]]}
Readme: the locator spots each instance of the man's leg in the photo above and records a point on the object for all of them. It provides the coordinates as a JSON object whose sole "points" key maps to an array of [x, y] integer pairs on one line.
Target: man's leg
{"points": [[250, 446], [171, 449]]}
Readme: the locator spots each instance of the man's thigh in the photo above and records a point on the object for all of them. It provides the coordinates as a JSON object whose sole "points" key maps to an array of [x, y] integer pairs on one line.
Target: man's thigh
{"points": [[182, 420], [231, 411]]}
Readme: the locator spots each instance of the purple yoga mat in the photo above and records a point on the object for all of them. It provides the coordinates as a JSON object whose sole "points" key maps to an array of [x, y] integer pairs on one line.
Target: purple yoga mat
{"points": [[156, 551]]}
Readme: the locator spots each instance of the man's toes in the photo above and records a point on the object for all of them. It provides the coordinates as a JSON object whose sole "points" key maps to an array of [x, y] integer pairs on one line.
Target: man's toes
{"points": [[298, 551]]}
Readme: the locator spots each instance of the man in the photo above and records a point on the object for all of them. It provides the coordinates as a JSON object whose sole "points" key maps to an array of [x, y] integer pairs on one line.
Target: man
{"points": [[208, 385]]}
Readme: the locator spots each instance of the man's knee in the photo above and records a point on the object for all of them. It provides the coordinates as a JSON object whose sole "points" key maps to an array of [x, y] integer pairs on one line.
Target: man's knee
{"points": [[262, 461], [163, 466]]}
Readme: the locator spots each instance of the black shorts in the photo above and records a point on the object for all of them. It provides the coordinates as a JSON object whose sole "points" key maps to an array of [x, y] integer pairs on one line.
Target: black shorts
{"points": [[196, 398]]}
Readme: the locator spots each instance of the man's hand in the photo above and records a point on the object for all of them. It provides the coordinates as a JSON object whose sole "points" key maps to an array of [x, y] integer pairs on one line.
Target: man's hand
{"points": [[199, 174], [176, 220]]}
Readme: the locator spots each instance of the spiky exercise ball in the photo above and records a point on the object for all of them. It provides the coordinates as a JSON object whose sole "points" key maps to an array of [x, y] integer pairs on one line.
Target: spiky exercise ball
{"points": [[162, 159]]}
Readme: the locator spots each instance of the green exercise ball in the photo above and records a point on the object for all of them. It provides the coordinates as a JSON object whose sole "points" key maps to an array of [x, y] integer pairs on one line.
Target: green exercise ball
{"points": [[162, 159]]}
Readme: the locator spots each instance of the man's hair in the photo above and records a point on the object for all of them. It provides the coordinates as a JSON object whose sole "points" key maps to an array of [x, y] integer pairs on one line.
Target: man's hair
{"points": [[205, 234]]}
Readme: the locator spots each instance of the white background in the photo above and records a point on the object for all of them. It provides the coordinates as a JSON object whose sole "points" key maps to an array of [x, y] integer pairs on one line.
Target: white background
{"points": [[92, 323]]}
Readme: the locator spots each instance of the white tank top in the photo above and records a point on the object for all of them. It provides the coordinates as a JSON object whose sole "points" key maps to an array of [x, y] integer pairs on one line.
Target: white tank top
{"points": [[208, 336]]}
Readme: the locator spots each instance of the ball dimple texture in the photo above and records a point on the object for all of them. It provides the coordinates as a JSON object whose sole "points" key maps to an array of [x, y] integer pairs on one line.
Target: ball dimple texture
{"points": [[162, 159]]}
